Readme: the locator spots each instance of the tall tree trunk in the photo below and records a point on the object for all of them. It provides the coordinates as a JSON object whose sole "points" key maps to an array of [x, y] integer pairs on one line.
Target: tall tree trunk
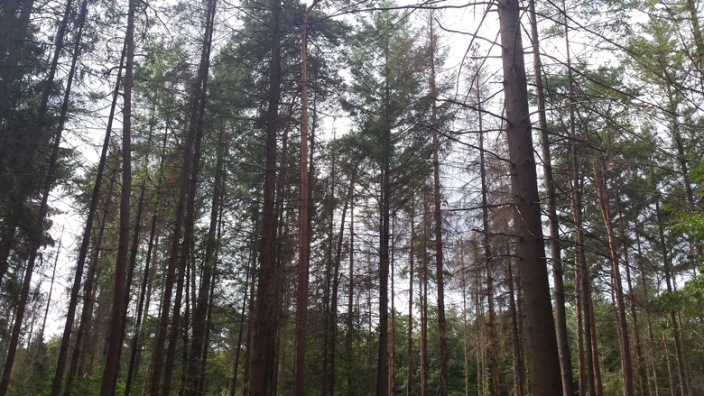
{"points": [[442, 326], [625, 346], [265, 306], [303, 221], [85, 242], [89, 291], [38, 230], [200, 323], [135, 345], [424, 300], [563, 346], [493, 338], [48, 88], [112, 360], [382, 379], [541, 343], [350, 306], [679, 347], [409, 341]]}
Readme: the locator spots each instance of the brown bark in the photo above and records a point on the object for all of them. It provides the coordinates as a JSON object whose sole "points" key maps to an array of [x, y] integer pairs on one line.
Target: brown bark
{"points": [[625, 346], [541, 343]]}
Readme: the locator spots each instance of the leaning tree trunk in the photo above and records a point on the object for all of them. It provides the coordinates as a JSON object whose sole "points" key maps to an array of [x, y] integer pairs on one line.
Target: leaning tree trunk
{"points": [[541, 343], [47, 90], [83, 251], [35, 239]]}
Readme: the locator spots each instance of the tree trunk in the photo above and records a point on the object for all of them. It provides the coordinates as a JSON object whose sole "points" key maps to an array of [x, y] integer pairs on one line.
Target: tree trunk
{"points": [[303, 222], [265, 307], [563, 347], [112, 361], [442, 326], [200, 323], [625, 346], [679, 347], [135, 346], [488, 257], [411, 257], [38, 230], [47, 90], [541, 344]]}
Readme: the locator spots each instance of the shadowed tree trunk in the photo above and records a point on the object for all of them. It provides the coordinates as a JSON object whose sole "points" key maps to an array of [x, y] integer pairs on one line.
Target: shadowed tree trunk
{"points": [[539, 327], [264, 324]]}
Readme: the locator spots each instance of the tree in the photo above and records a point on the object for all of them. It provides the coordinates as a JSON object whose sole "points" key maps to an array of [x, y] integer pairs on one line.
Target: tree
{"points": [[541, 344]]}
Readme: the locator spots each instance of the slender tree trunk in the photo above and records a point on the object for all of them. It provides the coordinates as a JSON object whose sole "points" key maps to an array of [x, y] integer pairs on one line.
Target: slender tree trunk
{"points": [[265, 307], [83, 251], [48, 88], [563, 347], [541, 343], [112, 361], [37, 231], [679, 347], [409, 341], [465, 323], [424, 302], [89, 291], [135, 345], [626, 364], [382, 381], [392, 337], [518, 372], [493, 338], [350, 306], [200, 323], [642, 371], [303, 221], [336, 278], [442, 326]]}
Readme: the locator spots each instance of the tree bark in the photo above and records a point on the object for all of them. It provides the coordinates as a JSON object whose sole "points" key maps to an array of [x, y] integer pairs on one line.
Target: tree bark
{"points": [[541, 344], [265, 307], [625, 346]]}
